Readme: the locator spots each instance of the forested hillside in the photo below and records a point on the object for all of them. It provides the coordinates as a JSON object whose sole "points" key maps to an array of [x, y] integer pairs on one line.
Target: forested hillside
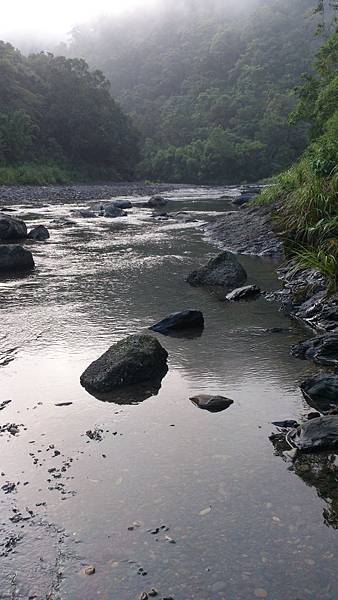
{"points": [[209, 85], [58, 120]]}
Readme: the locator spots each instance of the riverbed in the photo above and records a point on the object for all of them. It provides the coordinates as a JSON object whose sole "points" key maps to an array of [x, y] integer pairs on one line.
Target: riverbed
{"points": [[151, 491]]}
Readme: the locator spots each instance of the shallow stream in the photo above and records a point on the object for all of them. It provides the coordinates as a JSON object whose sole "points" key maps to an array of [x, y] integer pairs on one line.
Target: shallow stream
{"points": [[196, 505]]}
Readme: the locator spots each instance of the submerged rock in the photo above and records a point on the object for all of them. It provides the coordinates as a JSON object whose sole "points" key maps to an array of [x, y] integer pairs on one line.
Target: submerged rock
{"points": [[322, 349], [12, 229], [243, 293], [223, 270], [133, 360], [85, 213], [184, 217], [39, 233], [156, 202], [316, 434], [185, 319], [321, 391], [15, 258], [211, 403]]}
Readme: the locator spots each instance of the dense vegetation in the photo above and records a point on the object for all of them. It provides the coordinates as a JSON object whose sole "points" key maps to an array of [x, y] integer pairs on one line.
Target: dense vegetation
{"points": [[307, 194], [58, 120], [208, 84]]}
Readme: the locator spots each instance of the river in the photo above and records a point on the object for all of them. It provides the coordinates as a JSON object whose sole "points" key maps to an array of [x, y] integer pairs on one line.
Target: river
{"points": [[196, 505]]}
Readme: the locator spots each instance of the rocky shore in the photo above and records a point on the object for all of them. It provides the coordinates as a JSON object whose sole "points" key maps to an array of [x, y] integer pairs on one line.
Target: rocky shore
{"points": [[79, 192]]}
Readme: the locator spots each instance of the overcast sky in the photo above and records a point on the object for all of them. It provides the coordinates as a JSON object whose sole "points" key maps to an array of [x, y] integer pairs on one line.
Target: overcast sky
{"points": [[57, 16]]}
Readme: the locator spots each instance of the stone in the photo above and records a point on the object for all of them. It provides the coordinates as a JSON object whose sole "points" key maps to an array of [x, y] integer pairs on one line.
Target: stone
{"points": [[288, 424], [243, 293], [121, 203], [185, 319], [132, 360], [112, 212], [211, 403], [156, 202], [90, 570], [85, 213], [316, 434], [15, 258], [321, 391], [12, 229], [223, 270], [184, 217], [39, 233], [322, 349]]}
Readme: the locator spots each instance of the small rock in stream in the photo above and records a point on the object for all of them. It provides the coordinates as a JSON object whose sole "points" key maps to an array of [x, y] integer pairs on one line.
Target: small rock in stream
{"points": [[211, 403]]}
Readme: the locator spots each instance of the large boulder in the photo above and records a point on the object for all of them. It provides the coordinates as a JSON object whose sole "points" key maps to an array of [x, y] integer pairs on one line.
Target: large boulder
{"points": [[112, 212], [223, 270], [321, 391], [39, 233], [182, 320], [316, 434], [131, 361], [156, 202], [211, 403], [12, 229], [243, 293], [15, 258], [322, 349]]}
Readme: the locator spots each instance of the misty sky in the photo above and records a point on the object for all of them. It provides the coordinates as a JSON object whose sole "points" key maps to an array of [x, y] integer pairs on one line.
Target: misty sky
{"points": [[57, 16]]}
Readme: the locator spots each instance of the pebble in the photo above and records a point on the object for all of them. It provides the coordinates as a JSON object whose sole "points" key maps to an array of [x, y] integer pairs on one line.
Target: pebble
{"points": [[261, 593], [90, 570]]}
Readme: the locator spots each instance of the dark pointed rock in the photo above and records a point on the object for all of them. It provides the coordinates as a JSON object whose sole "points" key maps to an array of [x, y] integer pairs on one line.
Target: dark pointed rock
{"points": [[178, 321], [243, 293], [223, 270]]}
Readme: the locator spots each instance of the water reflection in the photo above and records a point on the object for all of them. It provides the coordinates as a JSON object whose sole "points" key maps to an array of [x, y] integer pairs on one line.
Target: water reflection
{"points": [[132, 394]]}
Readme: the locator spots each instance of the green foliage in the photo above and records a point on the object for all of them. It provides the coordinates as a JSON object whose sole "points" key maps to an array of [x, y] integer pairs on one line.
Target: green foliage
{"points": [[56, 110], [33, 174], [210, 87]]}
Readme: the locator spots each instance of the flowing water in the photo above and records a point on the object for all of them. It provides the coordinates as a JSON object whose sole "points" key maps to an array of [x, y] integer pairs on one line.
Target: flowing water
{"points": [[197, 505]]}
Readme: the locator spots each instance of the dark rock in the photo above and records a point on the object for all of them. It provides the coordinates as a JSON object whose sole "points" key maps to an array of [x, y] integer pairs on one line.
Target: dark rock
{"points": [[39, 233], [322, 349], [277, 330], [156, 202], [184, 217], [15, 258], [316, 434], [288, 424], [130, 361], [223, 270], [185, 319], [321, 392], [112, 212], [12, 229], [243, 293], [313, 415], [243, 198], [121, 203], [211, 403]]}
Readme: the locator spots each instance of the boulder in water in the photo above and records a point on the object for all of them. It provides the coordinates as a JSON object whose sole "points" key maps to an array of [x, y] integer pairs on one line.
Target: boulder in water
{"points": [[182, 320], [112, 212], [85, 213], [15, 258], [322, 349], [12, 229], [122, 203], [39, 233], [211, 403], [316, 434], [223, 270], [321, 391], [243, 293], [133, 360], [156, 202]]}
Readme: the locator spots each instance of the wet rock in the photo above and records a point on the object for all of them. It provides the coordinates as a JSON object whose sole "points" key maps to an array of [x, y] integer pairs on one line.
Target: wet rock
{"points": [[85, 213], [211, 403], [287, 424], [316, 434], [112, 212], [321, 392], [133, 360], [322, 349], [243, 293], [184, 217], [313, 415], [182, 320], [39, 233], [12, 229], [15, 258], [9, 487], [156, 202], [223, 270], [4, 403], [121, 203], [89, 570]]}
